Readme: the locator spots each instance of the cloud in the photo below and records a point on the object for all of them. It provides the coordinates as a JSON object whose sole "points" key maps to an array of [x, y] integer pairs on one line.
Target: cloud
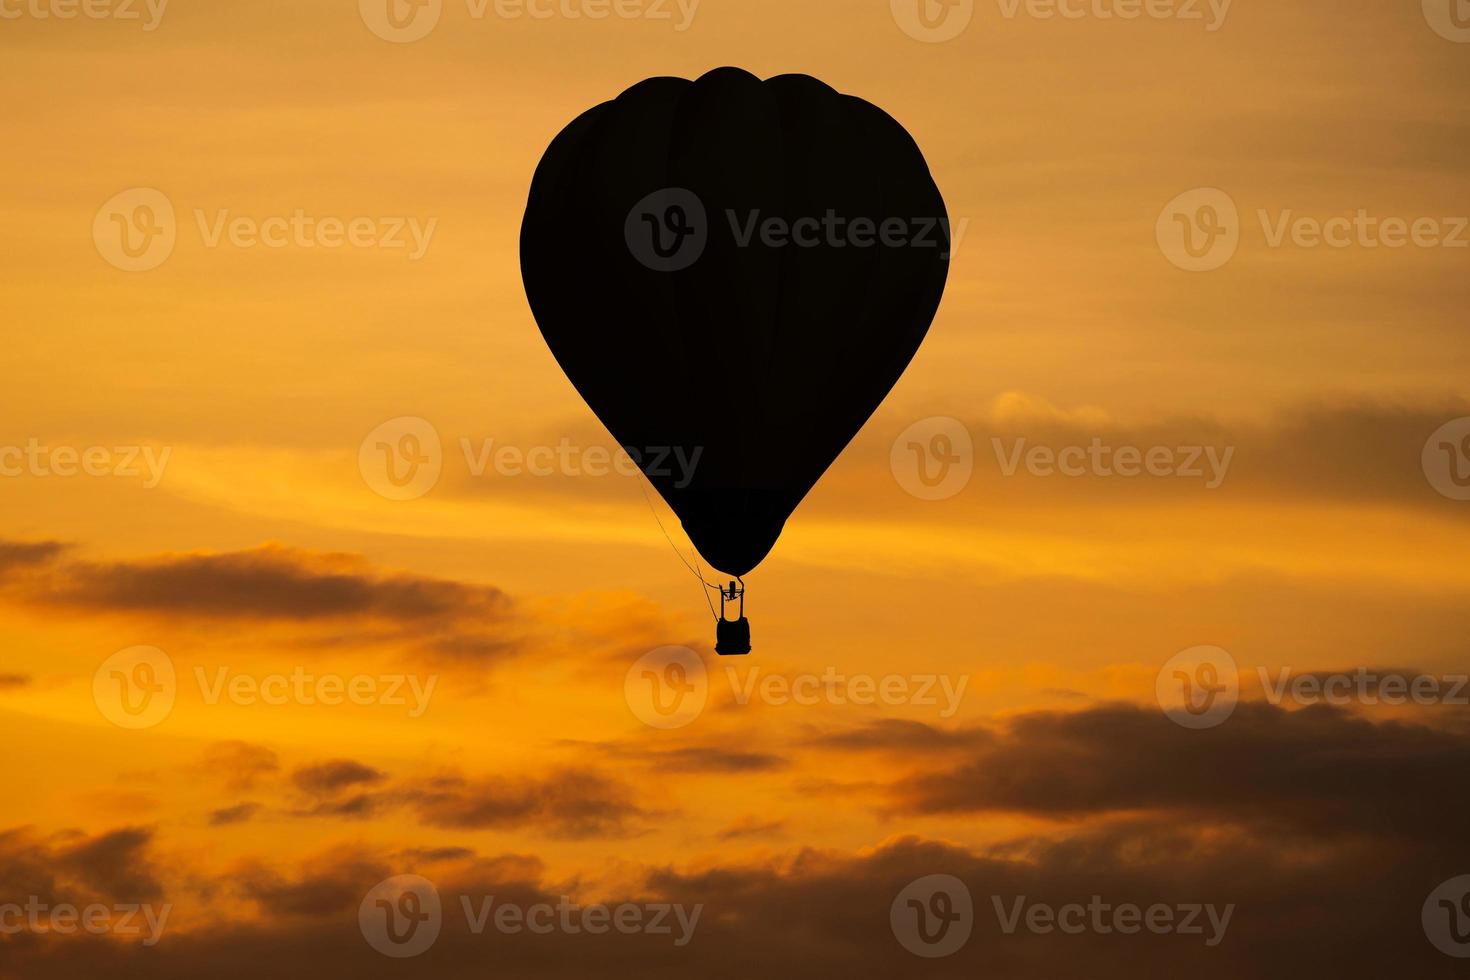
{"points": [[233, 815], [1318, 770], [240, 764], [698, 757], [327, 778], [751, 827], [71, 866], [902, 735], [271, 582], [18, 554], [327, 599], [570, 803], [827, 913]]}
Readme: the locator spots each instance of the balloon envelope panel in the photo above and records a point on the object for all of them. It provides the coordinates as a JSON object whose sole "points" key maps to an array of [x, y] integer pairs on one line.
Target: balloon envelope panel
{"points": [[740, 270]]}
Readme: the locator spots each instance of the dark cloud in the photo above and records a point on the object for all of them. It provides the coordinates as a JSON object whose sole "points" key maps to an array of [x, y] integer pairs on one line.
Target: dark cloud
{"points": [[1349, 913], [14, 680], [334, 600], [750, 827], [902, 735], [240, 764], [327, 778], [233, 815], [570, 803], [19, 554], [74, 867], [271, 582], [333, 885], [1317, 770], [700, 757]]}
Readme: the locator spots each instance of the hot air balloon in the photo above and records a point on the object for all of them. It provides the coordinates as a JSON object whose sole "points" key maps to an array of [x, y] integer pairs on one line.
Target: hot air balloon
{"points": [[734, 271]]}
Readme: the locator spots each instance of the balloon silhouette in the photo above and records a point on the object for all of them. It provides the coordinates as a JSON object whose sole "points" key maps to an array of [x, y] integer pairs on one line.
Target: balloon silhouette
{"points": [[734, 272]]}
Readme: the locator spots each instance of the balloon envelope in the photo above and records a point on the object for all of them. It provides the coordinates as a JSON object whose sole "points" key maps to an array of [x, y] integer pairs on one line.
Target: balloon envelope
{"points": [[733, 273]]}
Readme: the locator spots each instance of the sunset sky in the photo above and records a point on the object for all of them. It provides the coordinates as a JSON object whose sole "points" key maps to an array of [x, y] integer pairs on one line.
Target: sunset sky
{"points": [[235, 524]]}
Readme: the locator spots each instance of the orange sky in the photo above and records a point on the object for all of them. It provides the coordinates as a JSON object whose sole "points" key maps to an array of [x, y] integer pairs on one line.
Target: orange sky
{"points": [[250, 376]]}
